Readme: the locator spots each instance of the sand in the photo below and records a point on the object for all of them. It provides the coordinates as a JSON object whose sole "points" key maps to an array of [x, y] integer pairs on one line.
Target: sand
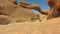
{"points": [[44, 27]]}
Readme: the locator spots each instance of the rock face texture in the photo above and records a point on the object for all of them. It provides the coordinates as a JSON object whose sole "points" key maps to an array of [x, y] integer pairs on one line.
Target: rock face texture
{"points": [[4, 20], [55, 8], [13, 1], [36, 7], [7, 8], [28, 6], [25, 5], [9, 11], [52, 3], [33, 6]]}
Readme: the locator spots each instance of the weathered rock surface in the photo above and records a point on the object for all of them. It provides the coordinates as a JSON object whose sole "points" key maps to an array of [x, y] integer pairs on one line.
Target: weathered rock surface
{"points": [[36, 7], [13, 1], [5, 20], [9, 9], [55, 8], [25, 5], [53, 3]]}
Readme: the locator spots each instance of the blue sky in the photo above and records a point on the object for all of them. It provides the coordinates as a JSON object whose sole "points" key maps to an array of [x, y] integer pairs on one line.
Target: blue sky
{"points": [[42, 3]]}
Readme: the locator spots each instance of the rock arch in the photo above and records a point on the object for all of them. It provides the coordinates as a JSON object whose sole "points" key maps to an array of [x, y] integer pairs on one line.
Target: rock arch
{"points": [[52, 13]]}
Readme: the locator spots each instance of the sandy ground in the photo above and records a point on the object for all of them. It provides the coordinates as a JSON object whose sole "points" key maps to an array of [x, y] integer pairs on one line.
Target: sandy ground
{"points": [[20, 28], [46, 27]]}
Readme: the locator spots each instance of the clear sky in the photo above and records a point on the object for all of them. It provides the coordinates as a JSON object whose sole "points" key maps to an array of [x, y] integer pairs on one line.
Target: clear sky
{"points": [[42, 3]]}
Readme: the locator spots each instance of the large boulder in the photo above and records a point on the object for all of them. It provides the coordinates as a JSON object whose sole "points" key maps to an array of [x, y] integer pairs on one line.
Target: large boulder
{"points": [[53, 3], [9, 9], [55, 8], [5, 20]]}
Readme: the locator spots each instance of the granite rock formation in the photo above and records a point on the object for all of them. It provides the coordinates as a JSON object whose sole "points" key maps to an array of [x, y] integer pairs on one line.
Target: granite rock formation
{"points": [[55, 8], [16, 12], [13, 1], [25, 5]]}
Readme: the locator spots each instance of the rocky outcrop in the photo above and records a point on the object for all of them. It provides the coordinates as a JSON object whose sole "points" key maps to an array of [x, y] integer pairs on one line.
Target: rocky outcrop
{"points": [[25, 5], [38, 8], [34, 6], [52, 13], [51, 3], [4, 20], [16, 12], [13, 1], [54, 9]]}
